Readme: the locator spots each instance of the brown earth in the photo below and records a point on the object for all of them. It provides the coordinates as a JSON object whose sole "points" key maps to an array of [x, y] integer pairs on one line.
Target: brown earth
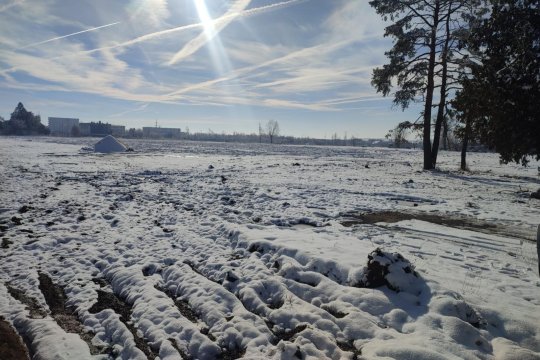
{"points": [[11, 344], [458, 222]]}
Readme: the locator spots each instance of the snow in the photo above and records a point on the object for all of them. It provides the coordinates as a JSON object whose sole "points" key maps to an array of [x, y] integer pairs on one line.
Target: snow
{"points": [[109, 144], [264, 254]]}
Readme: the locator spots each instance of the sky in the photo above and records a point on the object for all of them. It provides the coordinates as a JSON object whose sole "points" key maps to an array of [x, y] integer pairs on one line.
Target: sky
{"points": [[199, 64]]}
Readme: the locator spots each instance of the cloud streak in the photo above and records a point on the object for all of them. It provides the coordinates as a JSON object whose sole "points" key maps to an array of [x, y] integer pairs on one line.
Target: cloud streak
{"points": [[69, 35], [163, 33], [199, 25], [9, 5], [324, 69]]}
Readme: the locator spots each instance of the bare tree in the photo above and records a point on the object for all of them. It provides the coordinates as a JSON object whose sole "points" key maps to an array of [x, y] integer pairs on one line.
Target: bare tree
{"points": [[272, 128]]}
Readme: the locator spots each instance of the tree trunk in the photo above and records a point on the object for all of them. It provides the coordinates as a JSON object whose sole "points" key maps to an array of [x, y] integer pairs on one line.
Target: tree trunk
{"points": [[442, 103], [538, 247], [428, 164], [446, 143], [465, 145]]}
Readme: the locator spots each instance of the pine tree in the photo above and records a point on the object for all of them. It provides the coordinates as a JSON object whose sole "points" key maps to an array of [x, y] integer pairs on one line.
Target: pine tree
{"points": [[23, 122], [424, 57], [499, 103]]}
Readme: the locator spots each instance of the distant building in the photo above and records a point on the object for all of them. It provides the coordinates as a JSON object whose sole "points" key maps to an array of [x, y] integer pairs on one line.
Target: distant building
{"points": [[62, 126], [159, 132], [101, 129], [118, 130], [84, 129]]}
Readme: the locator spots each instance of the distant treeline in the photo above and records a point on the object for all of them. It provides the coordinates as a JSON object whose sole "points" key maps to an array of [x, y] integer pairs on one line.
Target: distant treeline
{"points": [[264, 138], [22, 122]]}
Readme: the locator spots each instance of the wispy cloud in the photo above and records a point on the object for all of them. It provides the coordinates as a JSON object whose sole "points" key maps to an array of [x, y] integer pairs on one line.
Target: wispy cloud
{"points": [[10, 4], [129, 111], [297, 58], [68, 35], [148, 13], [316, 74], [163, 33], [198, 25]]}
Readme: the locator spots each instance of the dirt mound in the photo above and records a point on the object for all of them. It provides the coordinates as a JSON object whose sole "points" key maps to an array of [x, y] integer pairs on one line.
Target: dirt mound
{"points": [[390, 269]]}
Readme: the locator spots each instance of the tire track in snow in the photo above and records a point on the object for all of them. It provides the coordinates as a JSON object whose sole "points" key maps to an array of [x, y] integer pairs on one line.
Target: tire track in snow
{"points": [[156, 316], [261, 292], [64, 315]]}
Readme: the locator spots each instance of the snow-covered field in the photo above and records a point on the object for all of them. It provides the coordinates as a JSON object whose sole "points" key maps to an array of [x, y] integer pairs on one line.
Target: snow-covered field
{"points": [[184, 250]]}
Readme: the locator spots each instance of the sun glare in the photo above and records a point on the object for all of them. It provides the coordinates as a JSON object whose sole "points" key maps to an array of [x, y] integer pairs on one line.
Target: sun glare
{"points": [[204, 17]]}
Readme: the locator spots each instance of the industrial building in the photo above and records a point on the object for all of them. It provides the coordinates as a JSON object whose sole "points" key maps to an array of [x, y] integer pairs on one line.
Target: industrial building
{"points": [[118, 130], [62, 126], [101, 129], [85, 129], [161, 133]]}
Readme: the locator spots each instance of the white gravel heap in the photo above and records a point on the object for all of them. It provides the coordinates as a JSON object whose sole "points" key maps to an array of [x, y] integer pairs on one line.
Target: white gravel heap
{"points": [[109, 144]]}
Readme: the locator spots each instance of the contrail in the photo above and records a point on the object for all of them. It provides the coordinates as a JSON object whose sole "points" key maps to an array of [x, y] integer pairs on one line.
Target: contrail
{"points": [[68, 35], [244, 13], [203, 38]]}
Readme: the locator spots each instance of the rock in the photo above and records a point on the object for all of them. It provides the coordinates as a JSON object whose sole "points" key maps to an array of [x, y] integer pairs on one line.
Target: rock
{"points": [[231, 277], [25, 208], [5, 243]]}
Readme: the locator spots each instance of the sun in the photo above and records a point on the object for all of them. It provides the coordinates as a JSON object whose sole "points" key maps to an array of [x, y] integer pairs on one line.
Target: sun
{"points": [[204, 17]]}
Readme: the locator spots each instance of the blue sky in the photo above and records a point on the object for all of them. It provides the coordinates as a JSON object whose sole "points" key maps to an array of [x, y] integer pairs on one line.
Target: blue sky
{"points": [[220, 65]]}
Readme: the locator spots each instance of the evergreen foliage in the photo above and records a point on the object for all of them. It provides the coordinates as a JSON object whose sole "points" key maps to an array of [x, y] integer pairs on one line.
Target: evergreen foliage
{"points": [[499, 102], [23, 122]]}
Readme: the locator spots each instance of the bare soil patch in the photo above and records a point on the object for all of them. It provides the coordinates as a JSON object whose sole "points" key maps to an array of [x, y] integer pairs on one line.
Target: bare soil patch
{"points": [[64, 316], [32, 305], [11, 344], [458, 222], [108, 300]]}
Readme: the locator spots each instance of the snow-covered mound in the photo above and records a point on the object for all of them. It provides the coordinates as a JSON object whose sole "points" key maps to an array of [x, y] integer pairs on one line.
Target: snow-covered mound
{"points": [[109, 144]]}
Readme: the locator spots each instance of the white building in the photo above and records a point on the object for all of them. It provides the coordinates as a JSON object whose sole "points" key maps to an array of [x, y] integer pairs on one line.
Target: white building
{"points": [[62, 126]]}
